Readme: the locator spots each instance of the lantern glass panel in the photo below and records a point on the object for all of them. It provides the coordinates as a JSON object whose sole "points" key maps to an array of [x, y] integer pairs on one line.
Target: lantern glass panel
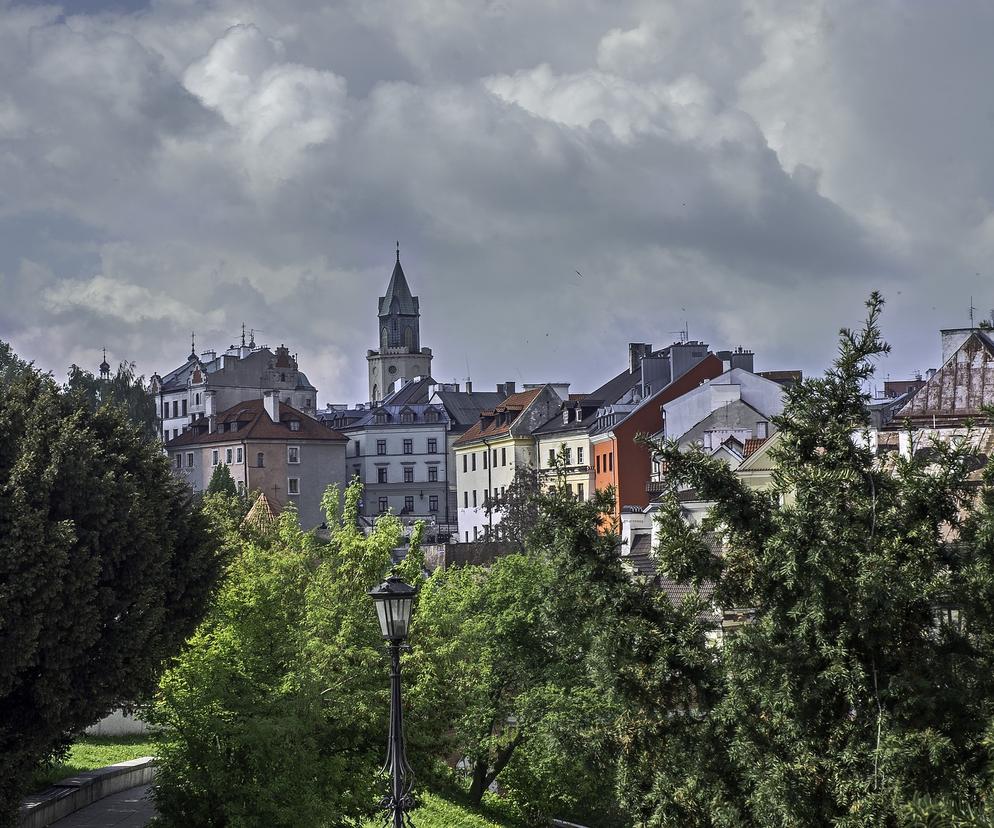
{"points": [[381, 614]]}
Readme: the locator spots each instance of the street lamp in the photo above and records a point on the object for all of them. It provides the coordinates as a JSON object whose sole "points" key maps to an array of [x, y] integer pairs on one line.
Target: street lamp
{"points": [[394, 600]]}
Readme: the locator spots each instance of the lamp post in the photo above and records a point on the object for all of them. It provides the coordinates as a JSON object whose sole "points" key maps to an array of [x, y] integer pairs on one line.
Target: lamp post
{"points": [[394, 600]]}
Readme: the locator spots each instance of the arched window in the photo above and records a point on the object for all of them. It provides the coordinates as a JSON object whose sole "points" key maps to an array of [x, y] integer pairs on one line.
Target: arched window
{"points": [[408, 338], [384, 338], [259, 458]]}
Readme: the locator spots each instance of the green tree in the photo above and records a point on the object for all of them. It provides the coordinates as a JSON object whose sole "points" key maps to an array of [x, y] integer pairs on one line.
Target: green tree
{"points": [[276, 713], [222, 482], [518, 508], [501, 677], [123, 389], [106, 566], [848, 696]]}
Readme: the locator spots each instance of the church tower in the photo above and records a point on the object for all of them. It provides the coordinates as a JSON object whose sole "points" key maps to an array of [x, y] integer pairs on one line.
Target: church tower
{"points": [[400, 353]]}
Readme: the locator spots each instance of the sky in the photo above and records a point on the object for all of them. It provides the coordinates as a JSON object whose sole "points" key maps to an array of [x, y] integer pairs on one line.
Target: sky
{"points": [[563, 176]]}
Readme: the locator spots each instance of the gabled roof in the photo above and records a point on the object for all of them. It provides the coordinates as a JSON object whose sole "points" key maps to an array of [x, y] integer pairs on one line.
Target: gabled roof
{"points": [[399, 290], [262, 513], [253, 423], [752, 445], [410, 392], [497, 422], [759, 459], [958, 390], [464, 407]]}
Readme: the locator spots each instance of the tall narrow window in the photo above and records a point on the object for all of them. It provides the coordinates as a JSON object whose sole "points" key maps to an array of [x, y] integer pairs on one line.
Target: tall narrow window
{"points": [[552, 457], [381, 474], [486, 454], [503, 456], [259, 460], [215, 457], [432, 445], [293, 485], [464, 463], [227, 456], [238, 454], [433, 474], [408, 474], [293, 454], [432, 503], [383, 504], [408, 447], [579, 455], [473, 456], [465, 499], [189, 459], [184, 408], [381, 446], [579, 491], [610, 461], [179, 460], [409, 504], [474, 498]]}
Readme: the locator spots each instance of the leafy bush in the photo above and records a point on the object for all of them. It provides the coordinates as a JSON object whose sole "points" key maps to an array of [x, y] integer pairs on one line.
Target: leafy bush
{"points": [[276, 714]]}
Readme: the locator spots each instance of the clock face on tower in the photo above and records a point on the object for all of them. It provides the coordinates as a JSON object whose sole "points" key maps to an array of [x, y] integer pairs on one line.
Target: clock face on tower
{"points": [[392, 369]]}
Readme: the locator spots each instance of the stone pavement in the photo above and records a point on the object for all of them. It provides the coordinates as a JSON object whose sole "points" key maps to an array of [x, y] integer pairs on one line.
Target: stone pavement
{"points": [[132, 808]]}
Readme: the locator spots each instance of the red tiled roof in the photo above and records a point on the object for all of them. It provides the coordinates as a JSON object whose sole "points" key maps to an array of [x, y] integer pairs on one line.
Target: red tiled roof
{"points": [[487, 426], [752, 445], [255, 424]]}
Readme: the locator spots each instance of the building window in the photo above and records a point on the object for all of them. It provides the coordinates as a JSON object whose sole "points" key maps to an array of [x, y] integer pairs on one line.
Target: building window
{"points": [[294, 425], [598, 464], [474, 498], [569, 488], [409, 504], [476, 533], [381, 474], [215, 457], [381, 446], [467, 536], [569, 456], [408, 447], [259, 458], [408, 474], [293, 454], [196, 399], [432, 445], [383, 505], [579, 455], [473, 456], [238, 454], [227, 456], [464, 463], [407, 416], [184, 408], [485, 454], [356, 448], [165, 411], [610, 461], [431, 416], [465, 500], [432, 503], [175, 408], [579, 491], [293, 485], [189, 459], [307, 402], [179, 460], [503, 456], [433, 474], [495, 457], [552, 457]]}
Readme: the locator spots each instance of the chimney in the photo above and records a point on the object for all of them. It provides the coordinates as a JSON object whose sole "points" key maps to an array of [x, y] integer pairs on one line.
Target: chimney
{"points": [[506, 388], [637, 350], [271, 403], [742, 359], [469, 387], [210, 411]]}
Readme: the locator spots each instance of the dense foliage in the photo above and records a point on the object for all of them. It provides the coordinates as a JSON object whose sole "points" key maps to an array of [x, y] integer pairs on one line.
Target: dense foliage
{"points": [[501, 663], [276, 713], [855, 692], [123, 389], [221, 482], [105, 567]]}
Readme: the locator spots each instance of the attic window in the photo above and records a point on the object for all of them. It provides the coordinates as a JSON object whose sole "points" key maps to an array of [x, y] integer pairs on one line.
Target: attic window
{"points": [[381, 418], [294, 425], [565, 416], [407, 417], [431, 416]]}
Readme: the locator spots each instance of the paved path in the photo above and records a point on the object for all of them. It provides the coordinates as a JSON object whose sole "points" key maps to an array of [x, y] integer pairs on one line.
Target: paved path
{"points": [[132, 808]]}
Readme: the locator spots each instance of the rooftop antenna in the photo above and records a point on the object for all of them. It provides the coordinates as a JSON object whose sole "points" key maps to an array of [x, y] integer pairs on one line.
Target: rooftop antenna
{"points": [[972, 309], [243, 334]]}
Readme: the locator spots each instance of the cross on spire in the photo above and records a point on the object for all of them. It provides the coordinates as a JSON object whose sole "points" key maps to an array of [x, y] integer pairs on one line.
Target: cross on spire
{"points": [[193, 344], [398, 252]]}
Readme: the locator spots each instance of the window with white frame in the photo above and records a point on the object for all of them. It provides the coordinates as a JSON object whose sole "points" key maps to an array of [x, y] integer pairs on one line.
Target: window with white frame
{"points": [[228, 455], [293, 485], [189, 459], [179, 460], [579, 455], [215, 457], [432, 445], [293, 454], [433, 474], [408, 474], [294, 425]]}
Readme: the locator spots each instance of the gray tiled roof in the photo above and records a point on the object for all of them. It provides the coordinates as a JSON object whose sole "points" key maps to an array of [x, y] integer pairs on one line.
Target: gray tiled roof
{"points": [[399, 290], [464, 407]]}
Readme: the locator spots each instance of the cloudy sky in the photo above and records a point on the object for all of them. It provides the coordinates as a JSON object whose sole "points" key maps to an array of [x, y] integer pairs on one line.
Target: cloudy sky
{"points": [[750, 169]]}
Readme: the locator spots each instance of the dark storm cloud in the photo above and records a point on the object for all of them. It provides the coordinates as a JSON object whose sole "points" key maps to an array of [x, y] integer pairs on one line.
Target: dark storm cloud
{"points": [[752, 169]]}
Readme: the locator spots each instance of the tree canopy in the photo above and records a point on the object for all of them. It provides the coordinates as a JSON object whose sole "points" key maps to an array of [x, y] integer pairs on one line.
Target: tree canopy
{"points": [[106, 566]]}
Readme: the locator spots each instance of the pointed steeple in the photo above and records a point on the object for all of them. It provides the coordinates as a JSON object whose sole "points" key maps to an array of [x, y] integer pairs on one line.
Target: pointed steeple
{"points": [[105, 367], [407, 304]]}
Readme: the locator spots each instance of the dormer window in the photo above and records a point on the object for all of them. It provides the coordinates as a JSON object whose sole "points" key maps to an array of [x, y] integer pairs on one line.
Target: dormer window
{"points": [[431, 416], [565, 416], [381, 417], [407, 416], [294, 425]]}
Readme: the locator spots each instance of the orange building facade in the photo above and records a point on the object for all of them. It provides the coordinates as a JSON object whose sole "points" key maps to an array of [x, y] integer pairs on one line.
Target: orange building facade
{"points": [[626, 465]]}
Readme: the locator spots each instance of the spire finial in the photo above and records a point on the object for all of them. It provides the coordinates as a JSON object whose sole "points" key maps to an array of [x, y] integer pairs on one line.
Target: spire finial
{"points": [[398, 252], [243, 334], [193, 343], [105, 354]]}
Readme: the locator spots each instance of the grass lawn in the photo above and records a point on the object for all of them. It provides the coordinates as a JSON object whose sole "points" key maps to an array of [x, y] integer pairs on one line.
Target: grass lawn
{"points": [[93, 752], [448, 811]]}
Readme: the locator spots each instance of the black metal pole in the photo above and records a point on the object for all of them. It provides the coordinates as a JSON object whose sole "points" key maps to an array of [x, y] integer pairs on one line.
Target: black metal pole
{"points": [[401, 775]]}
